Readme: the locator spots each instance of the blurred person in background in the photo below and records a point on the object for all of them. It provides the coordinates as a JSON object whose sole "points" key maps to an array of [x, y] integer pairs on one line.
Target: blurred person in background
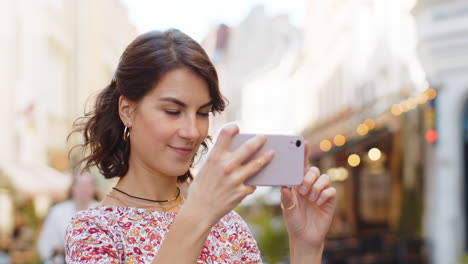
{"points": [[146, 128], [82, 195]]}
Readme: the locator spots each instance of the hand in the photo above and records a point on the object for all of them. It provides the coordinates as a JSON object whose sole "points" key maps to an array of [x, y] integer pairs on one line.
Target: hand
{"points": [[309, 220], [219, 186]]}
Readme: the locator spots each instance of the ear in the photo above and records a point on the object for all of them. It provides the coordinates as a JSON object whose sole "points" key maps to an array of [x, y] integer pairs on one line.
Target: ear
{"points": [[126, 110]]}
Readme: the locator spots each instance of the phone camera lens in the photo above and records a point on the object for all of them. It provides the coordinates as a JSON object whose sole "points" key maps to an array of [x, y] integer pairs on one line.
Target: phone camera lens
{"points": [[298, 143]]}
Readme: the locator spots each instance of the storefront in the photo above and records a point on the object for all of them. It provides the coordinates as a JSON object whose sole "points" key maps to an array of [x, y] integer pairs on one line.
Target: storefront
{"points": [[26, 193], [378, 171]]}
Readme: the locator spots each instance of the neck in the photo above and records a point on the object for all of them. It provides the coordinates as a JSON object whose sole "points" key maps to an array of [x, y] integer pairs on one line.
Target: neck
{"points": [[148, 184]]}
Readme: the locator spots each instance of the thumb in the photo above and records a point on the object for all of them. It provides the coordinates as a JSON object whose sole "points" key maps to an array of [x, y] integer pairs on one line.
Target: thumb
{"points": [[287, 198]]}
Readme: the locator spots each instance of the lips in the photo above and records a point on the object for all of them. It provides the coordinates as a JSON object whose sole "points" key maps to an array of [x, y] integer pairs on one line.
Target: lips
{"points": [[182, 151]]}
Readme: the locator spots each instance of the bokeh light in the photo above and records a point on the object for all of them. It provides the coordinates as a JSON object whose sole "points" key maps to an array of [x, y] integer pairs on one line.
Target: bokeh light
{"points": [[325, 145], [374, 154], [338, 174], [354, 160], [362, 129], [396, 110], [422, 98], [431, 93], [432, 135], [370, 123], [339, 140]]}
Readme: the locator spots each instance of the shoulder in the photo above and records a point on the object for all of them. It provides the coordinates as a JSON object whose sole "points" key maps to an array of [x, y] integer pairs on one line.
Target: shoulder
{"points": [[232, 218], [98, 214], [65, 204], [94, 224], [63, 209], [233, 222], [93, 236], [94, 216], [62, 206]]}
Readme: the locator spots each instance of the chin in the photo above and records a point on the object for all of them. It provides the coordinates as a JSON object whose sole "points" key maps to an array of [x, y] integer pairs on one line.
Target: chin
{"points": [[173, 167], [175, 172]]}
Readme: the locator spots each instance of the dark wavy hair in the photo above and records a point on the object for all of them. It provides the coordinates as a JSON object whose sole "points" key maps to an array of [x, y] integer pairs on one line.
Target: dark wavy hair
{"points": [[141, 66]]}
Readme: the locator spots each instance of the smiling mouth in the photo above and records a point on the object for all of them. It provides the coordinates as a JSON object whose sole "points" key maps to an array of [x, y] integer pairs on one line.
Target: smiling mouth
{"points": [[182, 151]]}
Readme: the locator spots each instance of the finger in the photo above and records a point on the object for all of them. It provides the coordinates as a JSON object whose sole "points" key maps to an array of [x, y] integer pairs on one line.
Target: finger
{"points": [[287, 198], [322, 182], [247, 149], [249, 189], [254, 165], [306, 156], [224, 139], [326, 195], [310, 177]]}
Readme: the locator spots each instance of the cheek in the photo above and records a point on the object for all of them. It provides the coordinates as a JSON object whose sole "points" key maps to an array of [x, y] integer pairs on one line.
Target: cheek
{"points": [[155, 128], [203, 129]]}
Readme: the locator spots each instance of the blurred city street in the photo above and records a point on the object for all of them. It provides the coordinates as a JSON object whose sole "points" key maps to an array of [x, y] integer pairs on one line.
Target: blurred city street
{"points": [[379, 89]]}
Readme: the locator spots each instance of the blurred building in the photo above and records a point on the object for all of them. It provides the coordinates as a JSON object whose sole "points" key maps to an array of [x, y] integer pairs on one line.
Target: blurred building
{"points": [[443, 48], [353, 86], [369, 103], [245, 51], [55, 53]]}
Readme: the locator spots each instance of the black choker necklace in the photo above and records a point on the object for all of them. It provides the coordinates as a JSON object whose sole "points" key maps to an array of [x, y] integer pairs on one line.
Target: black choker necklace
{"points": [[149, 200]]}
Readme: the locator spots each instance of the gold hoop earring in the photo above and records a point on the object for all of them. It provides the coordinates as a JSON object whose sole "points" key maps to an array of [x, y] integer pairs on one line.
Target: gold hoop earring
{"points": [[126, 133]]}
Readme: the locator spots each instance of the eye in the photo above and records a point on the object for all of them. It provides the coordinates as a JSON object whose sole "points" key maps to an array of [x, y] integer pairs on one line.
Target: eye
{"points": [[172, 112], [205, 112]]}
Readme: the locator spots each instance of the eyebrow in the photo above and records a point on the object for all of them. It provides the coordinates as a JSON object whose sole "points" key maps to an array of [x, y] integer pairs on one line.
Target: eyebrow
{"points": [[178, 102]]}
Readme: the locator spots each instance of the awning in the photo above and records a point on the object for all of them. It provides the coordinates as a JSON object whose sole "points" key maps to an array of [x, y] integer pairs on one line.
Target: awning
{"points": [[345, 123], [36, 179]]}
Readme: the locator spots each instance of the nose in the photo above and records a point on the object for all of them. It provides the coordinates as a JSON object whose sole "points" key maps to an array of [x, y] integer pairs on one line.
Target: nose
{"points": [[189, 128]]}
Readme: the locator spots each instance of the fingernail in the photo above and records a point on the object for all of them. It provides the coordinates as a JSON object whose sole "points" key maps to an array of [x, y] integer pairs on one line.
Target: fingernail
{"points": [[270, 153], [303, 190]]}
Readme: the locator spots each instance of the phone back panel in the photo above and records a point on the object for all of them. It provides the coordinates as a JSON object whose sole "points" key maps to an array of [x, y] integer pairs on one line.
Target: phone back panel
{"points": [[287, 166]]}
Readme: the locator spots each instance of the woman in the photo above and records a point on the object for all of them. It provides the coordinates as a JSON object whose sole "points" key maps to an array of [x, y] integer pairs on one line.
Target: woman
{"points": [[82, 195], [146, 128]]}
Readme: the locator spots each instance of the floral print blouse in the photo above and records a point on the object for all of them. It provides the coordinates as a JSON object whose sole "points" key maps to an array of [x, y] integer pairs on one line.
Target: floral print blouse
{"points": [[113, 234]]}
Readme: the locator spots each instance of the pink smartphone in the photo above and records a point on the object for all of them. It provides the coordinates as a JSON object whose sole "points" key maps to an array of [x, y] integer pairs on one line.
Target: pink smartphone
{"points": [[286, 168]]}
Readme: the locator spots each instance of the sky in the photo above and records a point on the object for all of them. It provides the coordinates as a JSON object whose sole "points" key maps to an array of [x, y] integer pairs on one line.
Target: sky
{"points": [[196, 17]]}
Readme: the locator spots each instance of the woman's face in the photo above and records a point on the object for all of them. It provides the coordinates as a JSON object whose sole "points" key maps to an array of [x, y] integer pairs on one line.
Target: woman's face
{"points": [[84, 188], [169, 123]]}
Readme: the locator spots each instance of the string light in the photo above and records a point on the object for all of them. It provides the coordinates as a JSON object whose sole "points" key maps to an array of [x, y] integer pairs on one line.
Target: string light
{"points": [[325, 145], [370, 123], [422, 98], [432, 135], [406, 105], [413, 102], [342, 173], [374, 154], [338, 174], [362, 130], [339, 140], [354, 160], [397, 109], [431, 93]]}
